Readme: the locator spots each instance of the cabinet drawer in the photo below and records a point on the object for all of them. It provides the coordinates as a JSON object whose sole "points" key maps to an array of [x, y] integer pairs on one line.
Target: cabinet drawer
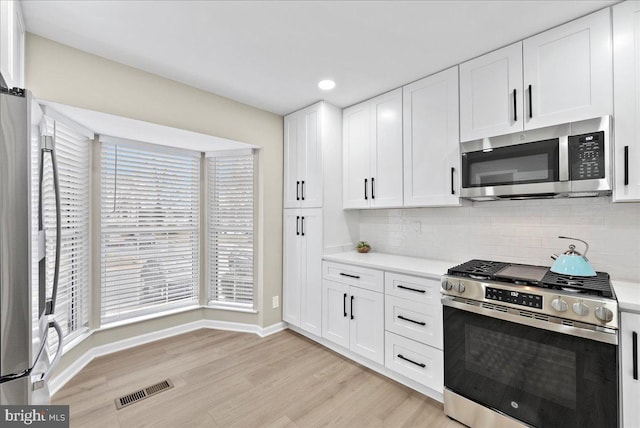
{"points": [[417, 321], [357, 276], [414, 360], [422, 290]]}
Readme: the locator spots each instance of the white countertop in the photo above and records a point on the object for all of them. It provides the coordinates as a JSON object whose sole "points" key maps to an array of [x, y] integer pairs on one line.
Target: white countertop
{"points": [[628, 294], [392, 263]]}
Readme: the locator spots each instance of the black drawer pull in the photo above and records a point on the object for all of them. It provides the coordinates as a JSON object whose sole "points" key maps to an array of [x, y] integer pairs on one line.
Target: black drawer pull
{"points": [[297, 190], [453, 190], [350, 276], [530, 103], [515, 107], [412, 362], [302, 187], [635, 355], [298, 225], [302, 225], [410, 320], [344, 304], [365, 189], [412, 289], [373, 195]]}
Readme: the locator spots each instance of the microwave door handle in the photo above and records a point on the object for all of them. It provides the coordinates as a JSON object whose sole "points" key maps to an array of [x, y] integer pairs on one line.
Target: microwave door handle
{"points": [[563, 158]]}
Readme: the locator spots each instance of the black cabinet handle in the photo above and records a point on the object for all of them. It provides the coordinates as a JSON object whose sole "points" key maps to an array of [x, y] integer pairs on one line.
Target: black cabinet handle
{"points": [[373, 195], [297, 190], [410, 320], [350, 276], [453, 191], [297, 225], [352, 308], [635, 355], [626, 165], [530, 103], [515, 107], [344, 304], [302, 189], [411, 361], [412, 289], [302, 224], [365, 189]]}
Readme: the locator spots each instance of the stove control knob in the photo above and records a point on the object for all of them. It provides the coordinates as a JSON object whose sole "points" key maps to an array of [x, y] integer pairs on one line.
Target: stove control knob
{"points": [[447, 285], [604, 314], [580, 309], [459, 287], [559, 304]]}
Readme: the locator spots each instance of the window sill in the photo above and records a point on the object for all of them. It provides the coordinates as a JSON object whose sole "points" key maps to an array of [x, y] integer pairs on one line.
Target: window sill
{"points": [[146, 317], [76, 340], [230, 308]]}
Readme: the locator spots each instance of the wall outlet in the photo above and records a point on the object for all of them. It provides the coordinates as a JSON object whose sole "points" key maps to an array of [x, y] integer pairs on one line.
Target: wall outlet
{"points": [[275, 302]]}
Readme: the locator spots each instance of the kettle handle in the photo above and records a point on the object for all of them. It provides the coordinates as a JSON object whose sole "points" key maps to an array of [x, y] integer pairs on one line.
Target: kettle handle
{"points": [[576, 239]]}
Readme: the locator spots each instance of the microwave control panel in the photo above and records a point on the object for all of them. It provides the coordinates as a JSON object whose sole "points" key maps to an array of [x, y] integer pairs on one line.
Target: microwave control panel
{"points": [[586, 156], [514, 297]]}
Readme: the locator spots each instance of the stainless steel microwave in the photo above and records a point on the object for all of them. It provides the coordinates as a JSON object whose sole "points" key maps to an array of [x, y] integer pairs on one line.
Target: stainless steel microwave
{"points": [[572, 159]]}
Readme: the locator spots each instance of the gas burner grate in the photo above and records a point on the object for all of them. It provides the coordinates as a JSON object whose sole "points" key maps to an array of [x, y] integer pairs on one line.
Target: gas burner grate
{"points": [[596, 285], [479, 269]]}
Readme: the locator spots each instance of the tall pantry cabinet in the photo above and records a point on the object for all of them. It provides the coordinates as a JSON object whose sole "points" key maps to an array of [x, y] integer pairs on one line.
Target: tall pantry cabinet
{"points": [[312, 148]]}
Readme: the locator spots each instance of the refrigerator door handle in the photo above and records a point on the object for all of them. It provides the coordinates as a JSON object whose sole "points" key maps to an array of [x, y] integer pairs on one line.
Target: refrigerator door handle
{"points": [[49, 147], [39, 383]]}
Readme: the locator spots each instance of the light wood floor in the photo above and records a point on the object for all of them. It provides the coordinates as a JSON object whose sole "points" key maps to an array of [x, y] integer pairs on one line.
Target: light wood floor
{"points": [[227, 379]]}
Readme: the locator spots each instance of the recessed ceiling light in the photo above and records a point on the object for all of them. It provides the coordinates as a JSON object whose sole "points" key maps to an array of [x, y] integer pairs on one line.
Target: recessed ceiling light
{"points": [[326, 85]]}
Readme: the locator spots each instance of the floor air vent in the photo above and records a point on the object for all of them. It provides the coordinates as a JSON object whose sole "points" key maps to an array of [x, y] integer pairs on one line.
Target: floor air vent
{"points": [[141, 394]]}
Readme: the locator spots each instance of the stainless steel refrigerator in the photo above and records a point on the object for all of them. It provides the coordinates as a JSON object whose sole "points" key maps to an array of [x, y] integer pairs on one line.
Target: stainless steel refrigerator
{"points": [[25, 364]]}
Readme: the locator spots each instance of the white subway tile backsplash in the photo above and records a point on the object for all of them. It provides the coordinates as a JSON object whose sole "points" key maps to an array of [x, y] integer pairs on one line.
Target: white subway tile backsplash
{"points": [[513, 231]]}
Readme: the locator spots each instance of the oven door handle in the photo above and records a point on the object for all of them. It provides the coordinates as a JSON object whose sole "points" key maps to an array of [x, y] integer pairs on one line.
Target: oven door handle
{"points": [[509, 314]]}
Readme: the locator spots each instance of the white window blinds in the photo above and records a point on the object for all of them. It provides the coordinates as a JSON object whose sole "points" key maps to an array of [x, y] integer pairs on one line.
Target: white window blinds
{"points": [[230, 206], [149, 229], [72, 153]]}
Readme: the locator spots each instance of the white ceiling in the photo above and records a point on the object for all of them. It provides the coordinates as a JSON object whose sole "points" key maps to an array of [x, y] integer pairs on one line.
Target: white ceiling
{"points": [[271, 54]]}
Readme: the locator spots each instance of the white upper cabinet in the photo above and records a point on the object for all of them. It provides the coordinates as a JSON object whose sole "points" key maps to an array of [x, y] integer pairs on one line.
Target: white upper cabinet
{"points": [[561, 75], [626, 66], [303, 158], [567, 72], [12, 32], [372, 157], [430, 139], [356, 148], [491, 96]]}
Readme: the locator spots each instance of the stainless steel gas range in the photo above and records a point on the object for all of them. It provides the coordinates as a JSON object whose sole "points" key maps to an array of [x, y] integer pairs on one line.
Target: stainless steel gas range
{"points": [[526, 346]]}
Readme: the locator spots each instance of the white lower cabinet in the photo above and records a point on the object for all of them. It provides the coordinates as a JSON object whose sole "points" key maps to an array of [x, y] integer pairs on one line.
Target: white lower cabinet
{"points": [[413, 329], [629, 376], [415, 360], [353, 316]]}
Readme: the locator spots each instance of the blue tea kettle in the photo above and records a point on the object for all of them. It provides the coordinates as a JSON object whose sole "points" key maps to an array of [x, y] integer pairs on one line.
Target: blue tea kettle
{"points": [[572, 262]]}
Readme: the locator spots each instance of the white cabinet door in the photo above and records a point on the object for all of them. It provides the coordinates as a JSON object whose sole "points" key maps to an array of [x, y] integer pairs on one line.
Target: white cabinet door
{"points": [[311, 270], [291, 279], [303, 158], [366, 333], [291, 160], [335, 312], [356, 155], [311, 157], [626, 81], [630, 325], [431, 143], [12, 33], [386, 150], [569, 70], [491, 101]]}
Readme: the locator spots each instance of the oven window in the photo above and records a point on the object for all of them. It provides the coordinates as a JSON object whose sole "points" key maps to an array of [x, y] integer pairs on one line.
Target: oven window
{"points": [[543, 370], [520, 164], [540, 377]]}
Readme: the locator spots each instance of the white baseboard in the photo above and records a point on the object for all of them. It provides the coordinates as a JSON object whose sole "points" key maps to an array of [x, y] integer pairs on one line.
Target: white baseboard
{"points": [[58, 381]]}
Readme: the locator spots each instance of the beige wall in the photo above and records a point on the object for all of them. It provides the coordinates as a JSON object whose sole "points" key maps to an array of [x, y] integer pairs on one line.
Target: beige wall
{"points": [[59, 73]]}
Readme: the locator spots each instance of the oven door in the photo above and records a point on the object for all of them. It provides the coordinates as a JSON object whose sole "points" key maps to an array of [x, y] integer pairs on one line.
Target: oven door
{"points": [[534, 168], [543, 378]]}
